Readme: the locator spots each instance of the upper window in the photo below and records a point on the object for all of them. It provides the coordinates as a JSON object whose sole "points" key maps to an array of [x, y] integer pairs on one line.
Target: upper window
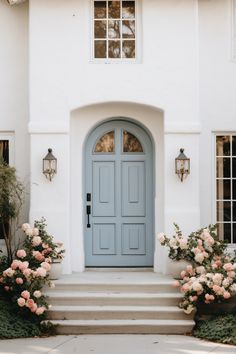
{"points": [[226, 187], [106, 143], [131, 143], [114, 29]]}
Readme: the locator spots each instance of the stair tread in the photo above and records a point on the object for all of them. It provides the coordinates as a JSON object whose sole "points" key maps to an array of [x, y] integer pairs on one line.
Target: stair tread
{"points": [[116, 308], [68, 294], [123, 322]]}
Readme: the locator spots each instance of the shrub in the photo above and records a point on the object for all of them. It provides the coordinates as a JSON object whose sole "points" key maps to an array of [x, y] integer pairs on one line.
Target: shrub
{"points": [[23, 281], [221, 328]]}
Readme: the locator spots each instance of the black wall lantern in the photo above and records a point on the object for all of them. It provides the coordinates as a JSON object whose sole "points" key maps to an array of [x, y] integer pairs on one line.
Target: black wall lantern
{"points": [[49, 165], [182, 165]]}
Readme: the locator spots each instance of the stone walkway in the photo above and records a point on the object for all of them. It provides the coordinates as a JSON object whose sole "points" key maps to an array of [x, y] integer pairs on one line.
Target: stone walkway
{"points": [[113, 344]]}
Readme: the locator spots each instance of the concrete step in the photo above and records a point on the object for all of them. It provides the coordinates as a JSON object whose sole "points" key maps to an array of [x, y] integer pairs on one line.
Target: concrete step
{"points": [[147, 287], [112, 298], [116, 312], [123, 326]]}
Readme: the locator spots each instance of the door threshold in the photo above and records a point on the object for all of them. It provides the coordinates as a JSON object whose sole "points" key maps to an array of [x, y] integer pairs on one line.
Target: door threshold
{"points": [[118, 269]]}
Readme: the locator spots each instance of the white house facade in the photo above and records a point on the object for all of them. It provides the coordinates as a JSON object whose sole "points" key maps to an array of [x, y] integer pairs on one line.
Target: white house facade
{"points": [[116, 89]]}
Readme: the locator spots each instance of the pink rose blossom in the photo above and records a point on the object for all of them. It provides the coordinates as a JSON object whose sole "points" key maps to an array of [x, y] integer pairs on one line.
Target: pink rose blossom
{"points": [[27, 272], [15, 264], [46, 266], [185, 288], [37, 294], [33, 308], [226, 295], [40, 310], [231, 274], [193, 298], [36, 241], [35, 231], [176, 284], [9, 272], [41, 272], [21, 301], [189, 269], [25, 226], [7, 288], [228, 267], [183, 273], [24, 265], [29, 232], [45, 245], [19, 281], [25, 294], [21, 254], [30, 303], [1, 279]]}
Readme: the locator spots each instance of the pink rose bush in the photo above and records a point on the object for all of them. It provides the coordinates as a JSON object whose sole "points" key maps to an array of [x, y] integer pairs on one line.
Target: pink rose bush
{"points": [[22, 282], [208, 284], [211, 275]]}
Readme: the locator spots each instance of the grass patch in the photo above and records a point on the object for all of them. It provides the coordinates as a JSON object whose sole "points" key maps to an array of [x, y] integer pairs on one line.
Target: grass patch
{"points": [[220, 328], [12, 325]]}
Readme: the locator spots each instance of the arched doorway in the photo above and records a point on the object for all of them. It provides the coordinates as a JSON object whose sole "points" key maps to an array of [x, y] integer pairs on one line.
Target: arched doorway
{"points": [[119, 196]]}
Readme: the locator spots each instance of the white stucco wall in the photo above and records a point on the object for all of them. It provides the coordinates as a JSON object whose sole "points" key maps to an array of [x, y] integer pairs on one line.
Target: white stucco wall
{"points": [[14, 88], [217, 92], [64, 79]]}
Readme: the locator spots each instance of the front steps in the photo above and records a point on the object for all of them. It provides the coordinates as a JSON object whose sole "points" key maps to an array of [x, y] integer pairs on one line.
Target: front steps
{"points": [[117, 302]]}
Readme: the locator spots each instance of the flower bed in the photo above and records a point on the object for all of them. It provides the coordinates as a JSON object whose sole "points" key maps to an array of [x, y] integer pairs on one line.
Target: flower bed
{"points": [[211, 278], [22, 282]]}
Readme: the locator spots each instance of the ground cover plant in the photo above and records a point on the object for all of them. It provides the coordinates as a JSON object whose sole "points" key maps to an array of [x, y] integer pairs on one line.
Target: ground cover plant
{"points": [[219, 328]]}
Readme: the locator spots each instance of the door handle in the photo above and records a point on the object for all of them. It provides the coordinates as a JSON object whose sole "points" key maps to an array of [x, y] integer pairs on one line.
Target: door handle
{"points": [[88, 209]]}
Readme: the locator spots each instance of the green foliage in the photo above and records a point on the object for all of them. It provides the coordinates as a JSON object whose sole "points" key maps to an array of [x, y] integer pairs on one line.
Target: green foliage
{"points": [[11, 199], [221, 328], [13, 325]]}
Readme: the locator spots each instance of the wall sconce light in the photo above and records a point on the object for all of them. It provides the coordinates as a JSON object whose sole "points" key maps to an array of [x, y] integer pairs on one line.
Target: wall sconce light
{"points": [[49, 165], [182, 165]]}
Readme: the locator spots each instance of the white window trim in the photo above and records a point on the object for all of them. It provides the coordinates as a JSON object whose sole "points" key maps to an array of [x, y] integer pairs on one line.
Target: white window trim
{"points": [[11, 138], [138, 39], [230, 246]]}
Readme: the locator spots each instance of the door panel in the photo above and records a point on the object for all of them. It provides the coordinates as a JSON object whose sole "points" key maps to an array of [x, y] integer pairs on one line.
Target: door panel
{"points": [[104, 239], [103, 188], [133, 239], [133, 188], [119, 177]]}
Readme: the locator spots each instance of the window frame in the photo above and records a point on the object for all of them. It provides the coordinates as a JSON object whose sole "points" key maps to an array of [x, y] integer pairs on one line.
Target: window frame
{"points": [[10, 137], [121, 60], [215, 178]]}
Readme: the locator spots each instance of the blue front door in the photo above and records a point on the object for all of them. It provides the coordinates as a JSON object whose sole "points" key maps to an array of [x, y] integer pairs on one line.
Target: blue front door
{"points": [[119, 196]]}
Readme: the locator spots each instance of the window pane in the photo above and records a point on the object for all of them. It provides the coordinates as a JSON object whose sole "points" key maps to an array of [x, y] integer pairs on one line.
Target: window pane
{"points": [[114, 9], [234, 211], [223, 167], [106, 143], [114, 49], [131, 143], [223, 211], [234, 233], [227, 232], [234, 145], [220, 231], [99, 9], [128, 29], [234, 167], [128, 49], [100, 29], [128, 9], [223, 189], [223, 145], [100, 49], [234, 188], [4, 150], [114, 29]]}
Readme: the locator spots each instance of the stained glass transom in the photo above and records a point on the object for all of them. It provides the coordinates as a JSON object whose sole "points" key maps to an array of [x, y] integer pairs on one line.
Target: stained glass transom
{"points": [[131, 143], [106, 143]]}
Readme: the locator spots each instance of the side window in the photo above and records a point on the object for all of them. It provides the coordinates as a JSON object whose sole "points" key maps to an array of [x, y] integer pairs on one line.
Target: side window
{"points": [[226, 187], [114, 29], [4, 154]]}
